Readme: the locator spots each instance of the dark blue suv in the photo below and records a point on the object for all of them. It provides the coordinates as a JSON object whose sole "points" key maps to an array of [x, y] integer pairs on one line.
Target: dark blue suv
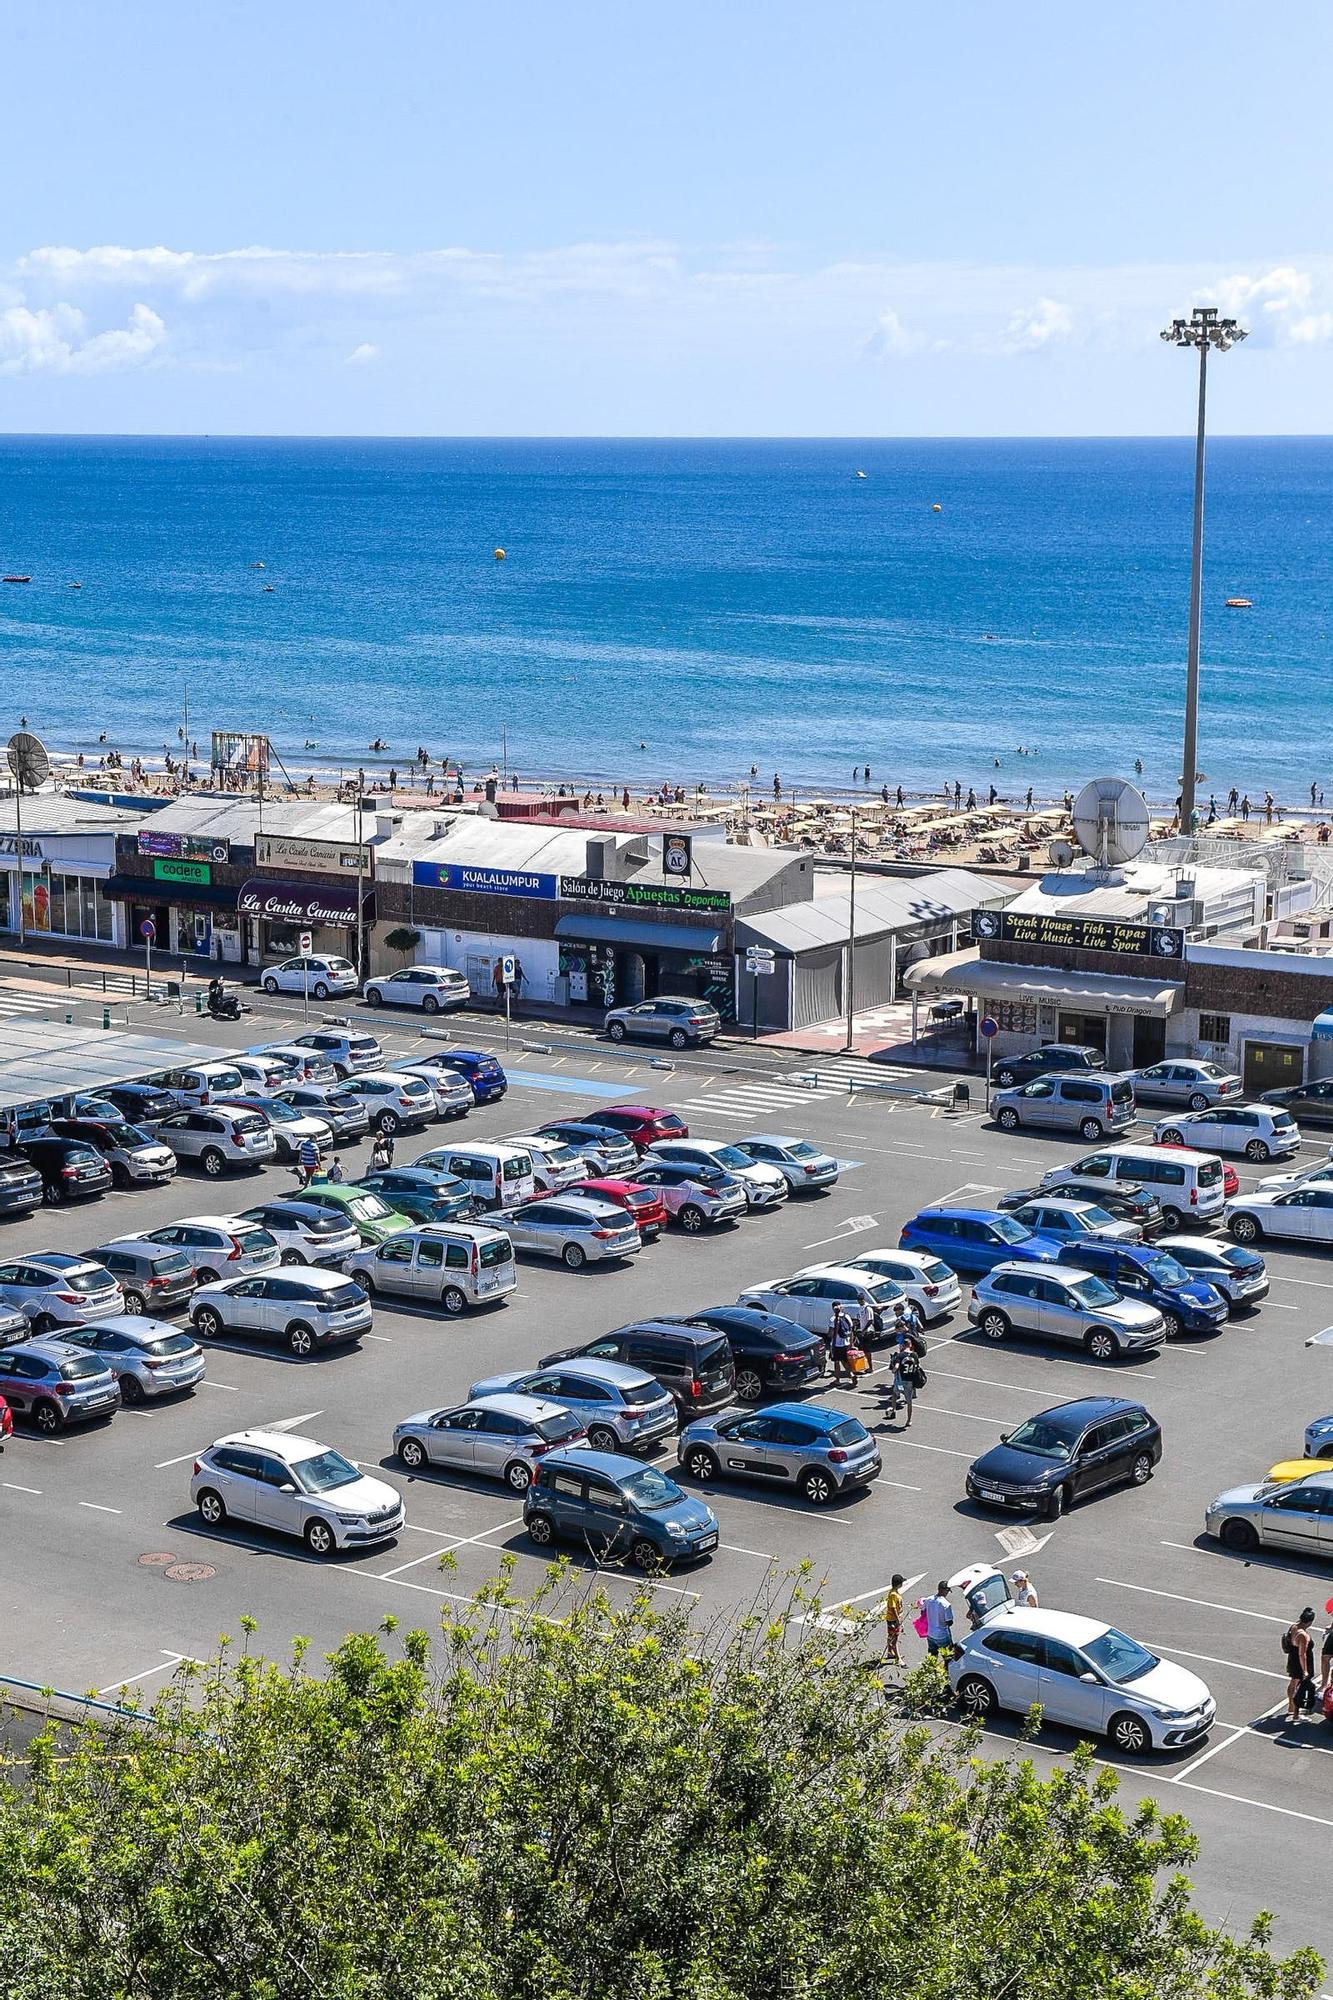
{"points": [[615, 1507], [975, 1240], [1139, 1271], [482, 1071]]}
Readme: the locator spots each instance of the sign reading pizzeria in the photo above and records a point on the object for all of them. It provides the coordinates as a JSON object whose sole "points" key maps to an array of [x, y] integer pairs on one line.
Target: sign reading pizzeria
{"points": [[298, 902], [1042, 927]]}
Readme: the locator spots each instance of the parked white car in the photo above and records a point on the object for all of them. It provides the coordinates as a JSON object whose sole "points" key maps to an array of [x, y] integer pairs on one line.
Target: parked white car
{"points": [[269, 1479], [876, 1306], [305, 1310], [1302, 1214], [928, 1282], [554, 1164], [397, 1100], [322, 978], [765, 1185], [1246, 1131], [433, 988], [304, 1232]]}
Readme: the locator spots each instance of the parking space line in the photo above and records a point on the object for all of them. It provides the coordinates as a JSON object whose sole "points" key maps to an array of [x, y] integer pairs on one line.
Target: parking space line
{"points": [[1204, 1603], [1313, 1284], [943, 1449], [168, 1664], [208, 1383], [902, 1484], [967, 1416], [1263, 1805], [985, 1381], [163, 1463], [734, 1549], [1212, 1659], [452, 1542], [94, 1508], [381, 1337], [1178, 1777], [13, 1487]]}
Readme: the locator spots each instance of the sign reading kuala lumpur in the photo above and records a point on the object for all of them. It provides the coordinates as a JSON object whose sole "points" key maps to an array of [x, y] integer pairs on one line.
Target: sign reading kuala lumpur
{"points": [[482, 881], [1080, 933]]}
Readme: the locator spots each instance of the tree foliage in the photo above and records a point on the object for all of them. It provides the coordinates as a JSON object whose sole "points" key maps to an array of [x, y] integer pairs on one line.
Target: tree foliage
{"points": [[558, 1798]]}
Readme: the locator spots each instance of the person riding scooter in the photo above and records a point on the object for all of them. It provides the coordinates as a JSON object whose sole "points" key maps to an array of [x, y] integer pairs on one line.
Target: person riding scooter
{"points": [[222, 1006]]}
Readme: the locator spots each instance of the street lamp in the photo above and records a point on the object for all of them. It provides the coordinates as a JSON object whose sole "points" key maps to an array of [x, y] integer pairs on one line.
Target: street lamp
{"points": [[1203, 329]]}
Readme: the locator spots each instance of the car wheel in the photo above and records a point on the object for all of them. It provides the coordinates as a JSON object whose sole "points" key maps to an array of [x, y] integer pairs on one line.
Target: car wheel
{"points": [[749, 1384], [1130, 1734], [1091, 1129], [291, 1257], [678, 1038], [321, 991], [373, 997], [301, 1340], [135, 1302], [1057, 1503], [994, 1325], [47, 1417], [691, 1218], [208, 1324], [429, 1004], [1173, 1136], [119, 1176], [518, 1475], [50, 1192], [1172, 1220], [818, 1487], [1198, 1102], [1101, 1345], [1257, 1151], [701, 1464], [412, 1453], [600, 1438], [1242, 1536], [1244, 1228], [646, 1555], [212, 1510], [131, 1389], [573, 1257], [1004, 1077], [387, 1123], [617, 1031], [206, 1277], [978, 1697], [212, 1162], [43, 1324], [320, 1538], [1141, 1470], [453, 1299], [541, 1530], [270, 987], [1007, 1120]]}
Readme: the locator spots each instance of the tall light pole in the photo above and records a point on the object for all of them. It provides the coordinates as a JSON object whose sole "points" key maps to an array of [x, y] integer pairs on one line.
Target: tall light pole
{"points": [[851, 949], [1203, 329]]}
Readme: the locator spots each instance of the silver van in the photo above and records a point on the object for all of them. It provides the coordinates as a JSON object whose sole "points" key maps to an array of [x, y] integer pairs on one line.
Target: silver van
{"points": [[453, 1264], [1090, 1105]]}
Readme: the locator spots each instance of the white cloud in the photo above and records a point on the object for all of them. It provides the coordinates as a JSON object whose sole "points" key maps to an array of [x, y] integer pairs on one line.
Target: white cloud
{"points": [[1034, 327], [364, 351], [889, 337], [55, 339], [1310, 328]]}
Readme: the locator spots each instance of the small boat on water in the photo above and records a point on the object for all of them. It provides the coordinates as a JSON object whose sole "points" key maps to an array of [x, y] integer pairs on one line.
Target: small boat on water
{"points": [[1240, 604], [15, 579]]}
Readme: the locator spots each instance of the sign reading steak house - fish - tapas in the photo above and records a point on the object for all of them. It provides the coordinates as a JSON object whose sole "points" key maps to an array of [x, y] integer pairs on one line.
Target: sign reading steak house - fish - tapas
{"points": [[297, 903], [1079, 933]]}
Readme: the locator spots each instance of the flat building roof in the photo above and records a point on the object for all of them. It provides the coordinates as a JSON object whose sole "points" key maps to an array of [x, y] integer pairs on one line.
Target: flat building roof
{"points": [[46, 1059]]}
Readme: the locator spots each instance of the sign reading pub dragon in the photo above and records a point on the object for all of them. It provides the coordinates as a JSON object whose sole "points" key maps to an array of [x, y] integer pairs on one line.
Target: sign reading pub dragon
{"points": [[1118, 940]]}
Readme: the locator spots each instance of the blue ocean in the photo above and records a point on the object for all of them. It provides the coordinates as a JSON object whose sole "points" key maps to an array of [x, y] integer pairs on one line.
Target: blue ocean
{"points": [[724, 604]]}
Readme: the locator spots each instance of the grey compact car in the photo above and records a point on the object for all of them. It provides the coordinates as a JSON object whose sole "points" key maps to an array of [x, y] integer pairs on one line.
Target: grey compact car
{"points": [[303, 1309], [496, 1437], [574, 1229], [55, 1289], [1090, 1105], [1292, 1514], [1065, 1305], [804, 1167], [681, 1023], [1065, 1218], [804, 1448], [218, 1246], [622, 1408], [1195, 1086], [148, 1360], [51, 1385], [152, 1278], [347, 1053], [347, 1116]]}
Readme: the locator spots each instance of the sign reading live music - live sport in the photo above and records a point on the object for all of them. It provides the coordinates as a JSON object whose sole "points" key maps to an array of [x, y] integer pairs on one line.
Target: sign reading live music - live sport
{"points": [[1079, 933]]}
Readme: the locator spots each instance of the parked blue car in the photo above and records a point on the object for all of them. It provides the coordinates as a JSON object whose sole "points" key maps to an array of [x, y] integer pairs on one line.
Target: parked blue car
{"points": [[973, 1241], [616, 1508], [482, 1071], [1141, 1271]]}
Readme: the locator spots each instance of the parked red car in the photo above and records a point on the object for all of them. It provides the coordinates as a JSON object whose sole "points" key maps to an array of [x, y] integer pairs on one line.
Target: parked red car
{"points": [[644, 1124], [645, 1204], [6, 1422]]}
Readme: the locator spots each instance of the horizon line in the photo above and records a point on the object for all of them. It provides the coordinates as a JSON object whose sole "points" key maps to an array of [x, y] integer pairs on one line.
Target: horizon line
{"points": [[672, 437]]}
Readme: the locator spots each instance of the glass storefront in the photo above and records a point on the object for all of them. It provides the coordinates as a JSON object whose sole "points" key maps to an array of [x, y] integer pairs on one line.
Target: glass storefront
{"points": [[61, 905]]}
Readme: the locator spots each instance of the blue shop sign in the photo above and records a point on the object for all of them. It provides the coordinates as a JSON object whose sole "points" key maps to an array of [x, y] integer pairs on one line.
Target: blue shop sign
{"points": [[482, 881]]}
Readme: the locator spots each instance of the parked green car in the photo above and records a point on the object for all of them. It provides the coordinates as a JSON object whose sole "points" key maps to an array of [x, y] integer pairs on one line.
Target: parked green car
{"points": [[368, 1212]]}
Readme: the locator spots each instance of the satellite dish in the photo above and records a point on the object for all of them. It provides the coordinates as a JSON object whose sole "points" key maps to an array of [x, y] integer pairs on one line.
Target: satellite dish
{"points": [[1061, 853], [1110, 821], [28, 760]]}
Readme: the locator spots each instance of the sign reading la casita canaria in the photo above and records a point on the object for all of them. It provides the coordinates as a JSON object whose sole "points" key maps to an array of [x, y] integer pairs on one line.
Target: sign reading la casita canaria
{"points": [[1079, 933], [297, 903]]}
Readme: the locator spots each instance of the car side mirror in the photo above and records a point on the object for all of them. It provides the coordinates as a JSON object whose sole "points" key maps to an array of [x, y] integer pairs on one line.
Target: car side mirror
{"points": [[1004, 1437], [1090, 1679], [288, 1488]]}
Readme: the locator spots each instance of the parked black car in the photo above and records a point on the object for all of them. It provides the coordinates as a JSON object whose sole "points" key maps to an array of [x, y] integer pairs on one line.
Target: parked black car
{"points": [[772, 1355], [20, 1185], [71, 1170], [141, 1103], [1067, 1452], [694, 1363], [1309, 1103], [1125, 1202], [1060, 1056]]}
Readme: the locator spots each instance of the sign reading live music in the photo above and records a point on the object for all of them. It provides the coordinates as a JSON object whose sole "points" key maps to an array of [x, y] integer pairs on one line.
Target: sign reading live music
{"points": [[1041, 927]]}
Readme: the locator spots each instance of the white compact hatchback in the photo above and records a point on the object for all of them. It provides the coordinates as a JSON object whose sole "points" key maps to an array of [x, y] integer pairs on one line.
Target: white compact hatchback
{"points": [[295, 1486], [321, 978], [433, 988]]}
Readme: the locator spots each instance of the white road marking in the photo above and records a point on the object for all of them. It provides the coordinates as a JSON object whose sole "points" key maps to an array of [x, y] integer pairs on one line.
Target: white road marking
{"points": [[94, 1508], [450, 1543], [901, 1483], [967, 1416], [1020, 1541], [1213, 1660], [290, 1423], [943, 1449], [168, 1664], [984, 1381], [734, 1549], [828, 1618], [378, 1336], [1237, 1799], [15, 1488], [1178, 1777], [1314, 1284], [1204, 1603], [163, 1463], [855, 1225], [208, 1383]]}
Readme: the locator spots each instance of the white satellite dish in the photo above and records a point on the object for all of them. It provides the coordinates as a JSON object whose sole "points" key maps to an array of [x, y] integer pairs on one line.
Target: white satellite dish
{"points": [[1061, 853], [1110, 821], [28, 760]]}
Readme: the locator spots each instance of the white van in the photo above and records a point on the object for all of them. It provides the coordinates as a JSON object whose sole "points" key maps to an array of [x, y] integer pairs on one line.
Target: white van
{"points": [[454, 1264], [499, 1176], [1190, 1186]]}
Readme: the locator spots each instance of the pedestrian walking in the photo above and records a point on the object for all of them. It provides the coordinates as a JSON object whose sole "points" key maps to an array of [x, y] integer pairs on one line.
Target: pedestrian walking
{"points": [[840, 1346], [939, 1620], [307, 1161], [908, 1376], [1022, 1591], [893, 1621], [381, 1153], [1245, 807], [1298, 1645]]}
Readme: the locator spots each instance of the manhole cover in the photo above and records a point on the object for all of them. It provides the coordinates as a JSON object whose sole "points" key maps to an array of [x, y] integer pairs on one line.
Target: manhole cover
{"points": [[155, 1559], [189, 1572]]}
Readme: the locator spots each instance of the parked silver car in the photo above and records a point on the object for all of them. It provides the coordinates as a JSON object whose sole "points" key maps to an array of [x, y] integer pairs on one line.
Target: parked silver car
{"points": [[222, 1140], [348, 1053], [430, 987], [51, 1385], [1193, 1085], [683, 1024], [621, 1407], [1091, 1105], [877, 1307], [306, 1309], [218, 1246], [288, 1125], [147, 1359], [1063, 1304], [453, 1093], [804, 1167], [55, 1289], [269, 1479], [497, 1437], [797, 1447], [302, 1065], [574, 1229], [1065, 1220], [1255, 1132], [1292, 1514], [347, 1117], [152, 1278]]}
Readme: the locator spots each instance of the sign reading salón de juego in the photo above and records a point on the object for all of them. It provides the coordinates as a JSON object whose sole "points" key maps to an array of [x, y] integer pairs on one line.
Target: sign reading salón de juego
{"points": [[642, 895]]}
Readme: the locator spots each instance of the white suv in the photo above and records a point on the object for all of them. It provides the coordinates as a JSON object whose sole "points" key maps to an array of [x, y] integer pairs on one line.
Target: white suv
{"points": [[218, 1246], [269, 1479], [320, 977], [430, 987], [219, 1136]]}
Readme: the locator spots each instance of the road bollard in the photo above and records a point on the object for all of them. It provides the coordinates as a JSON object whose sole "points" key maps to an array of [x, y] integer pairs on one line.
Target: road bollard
{"points": [[106, 1017]]}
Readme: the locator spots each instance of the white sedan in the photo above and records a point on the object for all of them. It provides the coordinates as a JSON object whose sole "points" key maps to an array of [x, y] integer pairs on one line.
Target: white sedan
{"points": [[1249, 1131], [320, 977], [433, 988]]}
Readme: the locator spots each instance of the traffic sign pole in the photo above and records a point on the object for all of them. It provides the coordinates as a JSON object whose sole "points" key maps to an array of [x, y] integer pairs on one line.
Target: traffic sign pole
{"points": [[148, 931], [990, 1028], [306, 940]]}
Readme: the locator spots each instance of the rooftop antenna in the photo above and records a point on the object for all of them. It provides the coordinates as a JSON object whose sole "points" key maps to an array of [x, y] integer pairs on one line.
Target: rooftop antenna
{"points": [[31, 767], [1110, 822]]}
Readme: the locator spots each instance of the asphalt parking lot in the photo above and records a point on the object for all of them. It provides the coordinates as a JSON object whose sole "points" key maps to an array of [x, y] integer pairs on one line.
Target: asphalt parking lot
{"points": [[115, 1580]]}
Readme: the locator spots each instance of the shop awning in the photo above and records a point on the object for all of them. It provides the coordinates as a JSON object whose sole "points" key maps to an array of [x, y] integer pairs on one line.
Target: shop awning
{"points": [[639, 934], [1322, 1027], [992, 979], [278, 902], [45, 1059], [178, 895]]}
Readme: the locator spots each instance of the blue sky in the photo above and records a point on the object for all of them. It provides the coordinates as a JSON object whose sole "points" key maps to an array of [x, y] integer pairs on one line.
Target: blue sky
{"points": [[573, 218]]}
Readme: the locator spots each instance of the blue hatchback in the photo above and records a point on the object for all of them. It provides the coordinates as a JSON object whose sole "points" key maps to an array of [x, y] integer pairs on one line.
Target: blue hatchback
{"points": [[616, 1507], [1153, 1277], [975, 1240], [482, 1071]]}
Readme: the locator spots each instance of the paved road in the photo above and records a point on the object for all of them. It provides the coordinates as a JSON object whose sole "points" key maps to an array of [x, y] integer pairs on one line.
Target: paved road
{"points": [[84, 1511]]}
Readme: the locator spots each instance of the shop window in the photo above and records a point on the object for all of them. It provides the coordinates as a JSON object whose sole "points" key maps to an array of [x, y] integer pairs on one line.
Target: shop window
{"points": [[1215, 1028], [58, 923]]}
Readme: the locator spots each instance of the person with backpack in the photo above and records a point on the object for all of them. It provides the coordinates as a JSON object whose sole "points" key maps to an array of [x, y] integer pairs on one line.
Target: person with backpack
{"points": [[840, 1346], [1298, 1647], [908, 1375]]}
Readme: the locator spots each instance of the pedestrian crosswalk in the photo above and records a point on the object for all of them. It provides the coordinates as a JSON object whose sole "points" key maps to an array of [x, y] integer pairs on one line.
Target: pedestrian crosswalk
{"points": [[13, 1003], [768, 1105]]}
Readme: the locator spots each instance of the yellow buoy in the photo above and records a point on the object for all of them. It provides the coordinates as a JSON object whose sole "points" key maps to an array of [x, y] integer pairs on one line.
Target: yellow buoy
{"points": [[499, 555], [936, 508]]}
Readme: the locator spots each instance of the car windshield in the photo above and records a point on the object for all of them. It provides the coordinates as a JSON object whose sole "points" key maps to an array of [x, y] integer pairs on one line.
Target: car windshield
{"points": [[1119, 1657], [225, 1079], [81, 1367], [517, 1169], [342, 1100], [1211, 1069], [1095, 1218], [1238, 1259], [248, 1122], [169, 1344], [651, 1489], [280, 1113], [368, 1208], [173, 1265], [638, 1393], [251, 1240], [1165, 1270], [1094, 1292], [850, 1431], [1039, 1437], [499, 1251], [1008, 1230], [937, 1272], [730, 1156], [882, 1289], [324, 1472], [801, 1149], [1210, 1173]]}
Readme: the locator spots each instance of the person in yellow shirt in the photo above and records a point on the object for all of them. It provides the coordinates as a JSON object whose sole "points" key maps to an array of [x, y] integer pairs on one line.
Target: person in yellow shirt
{"points": [[893, 1622]]}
